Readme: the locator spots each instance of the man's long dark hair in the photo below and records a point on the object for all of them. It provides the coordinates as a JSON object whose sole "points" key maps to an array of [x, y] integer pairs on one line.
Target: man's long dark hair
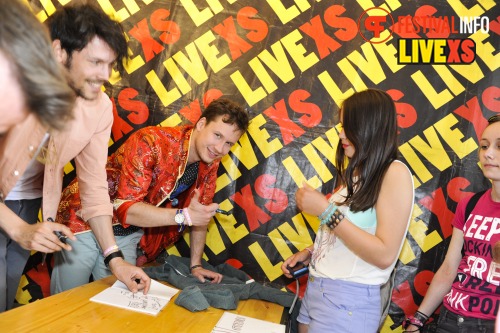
{"points": [[369, 121], [76, 25]]}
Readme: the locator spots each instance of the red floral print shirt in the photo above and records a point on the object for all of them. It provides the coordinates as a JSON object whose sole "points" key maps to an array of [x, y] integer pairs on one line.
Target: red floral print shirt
{"points": [[146, 169]]}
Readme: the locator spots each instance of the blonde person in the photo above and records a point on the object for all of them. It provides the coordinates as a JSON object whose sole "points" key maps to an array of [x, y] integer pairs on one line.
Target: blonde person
{"points": [[363, 223], [35, 99], [87, 44]]}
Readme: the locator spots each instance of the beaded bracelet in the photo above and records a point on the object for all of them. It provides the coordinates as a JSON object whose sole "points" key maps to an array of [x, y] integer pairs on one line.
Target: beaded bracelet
{"points": [[327, 214], [335, 219], [327, 211]]}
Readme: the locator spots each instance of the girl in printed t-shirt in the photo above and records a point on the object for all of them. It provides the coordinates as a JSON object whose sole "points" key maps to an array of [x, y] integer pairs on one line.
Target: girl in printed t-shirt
{"points": [[363, 224], [469, 285]]}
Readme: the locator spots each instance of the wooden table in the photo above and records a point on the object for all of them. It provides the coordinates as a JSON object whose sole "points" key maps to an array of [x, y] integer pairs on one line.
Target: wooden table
{"points": [[71, 311]]}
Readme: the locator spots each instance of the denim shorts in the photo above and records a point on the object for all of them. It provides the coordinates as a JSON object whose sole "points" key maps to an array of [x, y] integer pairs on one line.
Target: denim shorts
{"points": [[450, 322], [340, 306]]}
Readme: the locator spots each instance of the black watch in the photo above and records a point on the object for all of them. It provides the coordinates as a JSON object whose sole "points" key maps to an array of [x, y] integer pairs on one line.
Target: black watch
{"points": [[113, 255]]}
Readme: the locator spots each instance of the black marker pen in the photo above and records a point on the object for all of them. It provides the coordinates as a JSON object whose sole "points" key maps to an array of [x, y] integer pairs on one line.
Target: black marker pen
{"points": [[221, 211], [62, 237]]}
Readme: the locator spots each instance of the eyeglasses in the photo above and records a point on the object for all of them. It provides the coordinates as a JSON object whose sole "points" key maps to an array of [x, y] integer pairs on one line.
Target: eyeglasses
{"points": [[493, 119]]}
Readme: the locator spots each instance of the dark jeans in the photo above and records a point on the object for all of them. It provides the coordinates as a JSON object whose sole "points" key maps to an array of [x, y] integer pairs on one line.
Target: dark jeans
{"points": [[13, 256], [450, 322]]}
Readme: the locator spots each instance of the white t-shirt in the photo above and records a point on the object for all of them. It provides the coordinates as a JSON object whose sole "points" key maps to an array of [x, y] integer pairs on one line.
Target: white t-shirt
{"points": [[332, 259], [30, 184]]}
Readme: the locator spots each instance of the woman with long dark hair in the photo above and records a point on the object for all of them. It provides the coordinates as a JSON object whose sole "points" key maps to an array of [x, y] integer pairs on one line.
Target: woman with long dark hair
{"points": [[363, 223]]}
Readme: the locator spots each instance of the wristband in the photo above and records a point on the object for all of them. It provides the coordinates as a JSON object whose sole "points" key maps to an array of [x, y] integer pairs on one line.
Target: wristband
{"points": [[113, 255], [328, 210], [186, 215], [310, 251], [327, 215], [412, 321], [334, 219], [418, 320], [109, 250], [422, 316], [194, 266]]}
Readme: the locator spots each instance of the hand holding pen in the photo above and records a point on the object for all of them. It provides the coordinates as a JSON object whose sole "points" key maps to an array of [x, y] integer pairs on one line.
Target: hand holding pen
{"points": [[200, 214], [62, 237], [62, 232]]}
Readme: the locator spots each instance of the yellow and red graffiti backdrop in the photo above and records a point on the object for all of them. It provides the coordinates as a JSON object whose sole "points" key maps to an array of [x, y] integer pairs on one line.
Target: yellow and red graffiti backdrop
{"points": [[291, 63]]}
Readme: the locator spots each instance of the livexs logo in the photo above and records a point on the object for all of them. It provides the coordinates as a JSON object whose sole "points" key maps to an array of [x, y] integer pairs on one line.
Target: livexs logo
{"points": [[424, 38]]}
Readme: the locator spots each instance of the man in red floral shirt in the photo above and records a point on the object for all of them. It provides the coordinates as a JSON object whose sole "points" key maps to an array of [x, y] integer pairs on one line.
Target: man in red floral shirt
{"points": [[160, 180]]}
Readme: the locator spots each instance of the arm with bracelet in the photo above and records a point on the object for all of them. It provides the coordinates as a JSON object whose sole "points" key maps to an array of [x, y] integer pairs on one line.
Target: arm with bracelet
{"points": [[363, 222], [115, 254], [197, 240], [440, 285], [132, 276], [297, 265], [415, 323]]}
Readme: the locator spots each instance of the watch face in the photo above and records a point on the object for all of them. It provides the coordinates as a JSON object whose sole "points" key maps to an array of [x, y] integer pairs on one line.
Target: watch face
{"points": [[179, 217]]}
